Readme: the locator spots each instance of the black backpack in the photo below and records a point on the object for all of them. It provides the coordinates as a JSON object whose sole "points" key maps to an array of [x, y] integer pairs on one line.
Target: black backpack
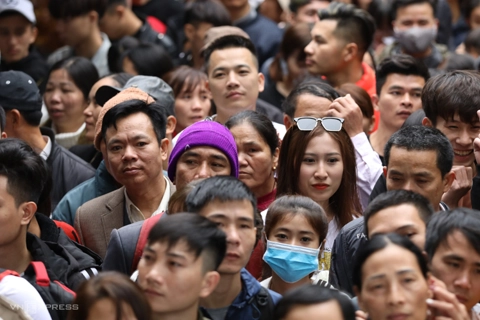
{"points": [[264, 303], [56, 296]]}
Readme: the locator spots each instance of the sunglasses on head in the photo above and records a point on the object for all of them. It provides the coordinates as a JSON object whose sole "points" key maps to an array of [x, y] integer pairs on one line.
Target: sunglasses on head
{"points": [[328, 123]]}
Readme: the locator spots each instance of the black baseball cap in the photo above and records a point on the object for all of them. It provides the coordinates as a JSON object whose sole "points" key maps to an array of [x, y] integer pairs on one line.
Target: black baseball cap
{"points": [[19, 91]]}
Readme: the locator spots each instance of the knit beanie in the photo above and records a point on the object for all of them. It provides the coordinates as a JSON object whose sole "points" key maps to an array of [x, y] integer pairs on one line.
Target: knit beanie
{"points": [[209, 134]]}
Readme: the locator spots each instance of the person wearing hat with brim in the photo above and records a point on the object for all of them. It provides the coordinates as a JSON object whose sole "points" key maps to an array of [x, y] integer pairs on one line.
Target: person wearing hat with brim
{"points": [[17, 49], [130, 131], [103, 182], [204, 149], [22, 102]]}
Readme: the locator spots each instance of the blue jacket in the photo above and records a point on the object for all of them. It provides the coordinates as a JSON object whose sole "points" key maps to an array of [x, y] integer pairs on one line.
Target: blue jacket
{"points": [[97, 186], [244, 307]]}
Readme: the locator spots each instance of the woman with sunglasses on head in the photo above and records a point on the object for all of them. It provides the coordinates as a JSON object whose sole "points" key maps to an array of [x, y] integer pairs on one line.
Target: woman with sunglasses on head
{"points": [[391, 281], [317, 160], [294, 233]]}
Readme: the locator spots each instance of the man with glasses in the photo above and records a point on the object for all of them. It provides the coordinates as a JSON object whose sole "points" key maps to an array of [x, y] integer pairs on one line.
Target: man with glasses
{"points": [[311, 100]]}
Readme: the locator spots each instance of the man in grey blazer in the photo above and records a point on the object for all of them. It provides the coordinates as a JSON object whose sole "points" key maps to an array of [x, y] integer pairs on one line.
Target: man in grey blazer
{"points": [[131, 131], [205, 146]]}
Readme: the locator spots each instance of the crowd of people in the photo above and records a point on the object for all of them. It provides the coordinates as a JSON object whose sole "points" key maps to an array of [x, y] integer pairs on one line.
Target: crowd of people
{"points": [[236, 159]]}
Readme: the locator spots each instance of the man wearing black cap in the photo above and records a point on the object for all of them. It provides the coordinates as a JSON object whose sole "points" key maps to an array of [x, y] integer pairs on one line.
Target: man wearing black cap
{"points": [[22, 102]]}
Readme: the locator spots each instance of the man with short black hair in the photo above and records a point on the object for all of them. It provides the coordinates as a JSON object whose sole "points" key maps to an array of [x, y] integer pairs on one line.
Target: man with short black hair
{"points": [[415, 27], [233, 77], [120, 21], [339, 42], [232, 206], [400, 211], [131, 127], [77, 26], [17, 35], [22, 102], [453, 250], [199, 17], [264, 33], [305, 11], [195, 247], [400, 79], [418, 159]]}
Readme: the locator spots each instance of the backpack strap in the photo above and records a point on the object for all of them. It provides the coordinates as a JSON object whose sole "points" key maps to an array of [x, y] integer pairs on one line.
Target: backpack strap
{"points": [[41, 274], [142, 238], [264, 302], [8, 273]]}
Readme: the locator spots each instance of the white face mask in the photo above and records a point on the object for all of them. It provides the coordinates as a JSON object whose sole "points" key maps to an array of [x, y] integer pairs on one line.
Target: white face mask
{"points": [[416, 39]]}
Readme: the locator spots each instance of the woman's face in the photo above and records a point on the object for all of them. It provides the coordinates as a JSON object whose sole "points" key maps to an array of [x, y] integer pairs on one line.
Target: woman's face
{"points": [[93, 109], [393, 286], [65, 101], [255, 159], [106, 309], [321, 169], [192, 106], [297, 68], [294, 229]]}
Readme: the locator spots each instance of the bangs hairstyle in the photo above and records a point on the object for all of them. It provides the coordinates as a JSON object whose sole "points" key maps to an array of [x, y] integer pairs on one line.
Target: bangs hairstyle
{"points": [[198, 233], [452, 93], [445, 223], [66, 9], [117, 288], [286, 207], [378, 243], [344, 203], [185, 79]]}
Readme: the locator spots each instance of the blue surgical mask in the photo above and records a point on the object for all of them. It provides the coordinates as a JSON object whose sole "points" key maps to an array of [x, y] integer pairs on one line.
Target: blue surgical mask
{"points": [[291, 263]]}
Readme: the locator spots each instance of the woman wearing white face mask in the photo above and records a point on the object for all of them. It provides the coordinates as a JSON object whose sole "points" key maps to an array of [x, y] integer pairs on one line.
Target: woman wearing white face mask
{"points": [[295, 232]]}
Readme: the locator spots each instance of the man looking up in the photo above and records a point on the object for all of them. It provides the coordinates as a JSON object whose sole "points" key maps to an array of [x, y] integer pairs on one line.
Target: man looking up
{"points": [[400, 79], [339, 41], [179, 263]]}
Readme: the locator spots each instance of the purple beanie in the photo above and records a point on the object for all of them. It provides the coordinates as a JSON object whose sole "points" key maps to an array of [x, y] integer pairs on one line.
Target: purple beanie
{"points": [[205, 133]]}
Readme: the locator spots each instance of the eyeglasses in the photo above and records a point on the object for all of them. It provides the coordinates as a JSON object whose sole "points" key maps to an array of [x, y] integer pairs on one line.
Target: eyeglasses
{"points": [[328, 123]]}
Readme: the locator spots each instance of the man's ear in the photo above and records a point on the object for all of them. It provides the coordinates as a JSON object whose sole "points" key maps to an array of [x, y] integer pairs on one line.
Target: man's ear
{"points": [[287, 121], [261, 82], [171, 124], [34, 35], [375, 101], [28, 210], [427, 122], [385, 171], [189, 31], [350, 51], [210, 282], [164, 148], [3, 135], [448, 181], [93, 16]]}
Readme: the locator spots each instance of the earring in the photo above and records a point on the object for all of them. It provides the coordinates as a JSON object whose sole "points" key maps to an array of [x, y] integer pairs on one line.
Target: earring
{"points": [[274, 168]]}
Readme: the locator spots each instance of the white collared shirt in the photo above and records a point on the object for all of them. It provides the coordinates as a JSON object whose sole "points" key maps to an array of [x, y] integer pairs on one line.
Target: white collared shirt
{"points": [[45, 153], [134, 213]]}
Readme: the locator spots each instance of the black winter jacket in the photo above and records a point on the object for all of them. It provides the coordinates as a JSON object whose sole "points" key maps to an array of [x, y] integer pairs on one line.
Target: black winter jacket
{"points": [[68, 170]]}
